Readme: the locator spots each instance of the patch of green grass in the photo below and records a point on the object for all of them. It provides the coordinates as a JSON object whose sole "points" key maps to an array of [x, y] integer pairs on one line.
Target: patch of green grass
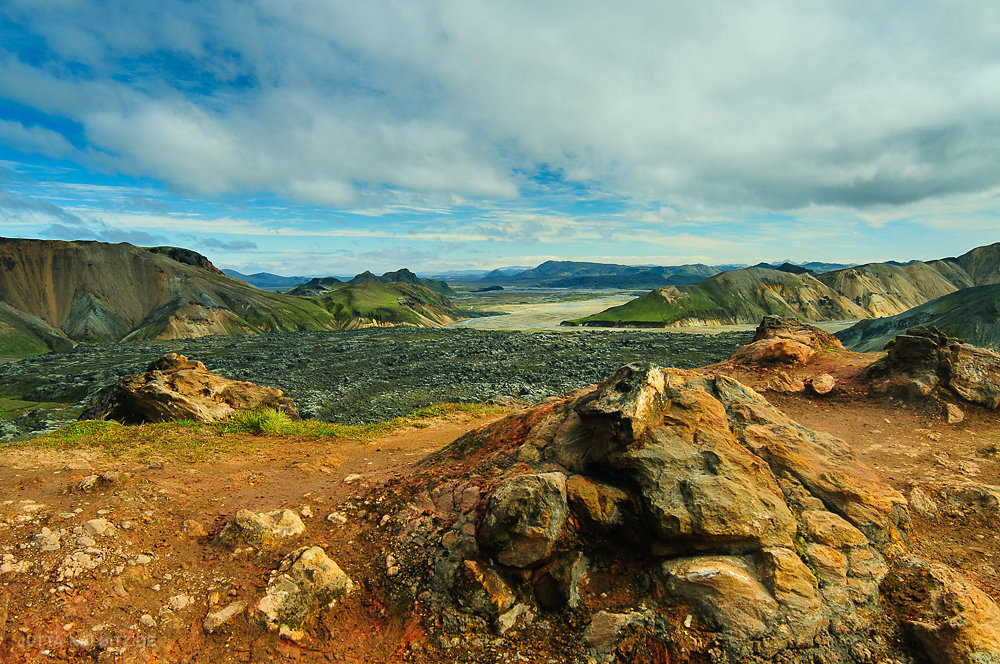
{"points": [[193, 441], [12, 406]]}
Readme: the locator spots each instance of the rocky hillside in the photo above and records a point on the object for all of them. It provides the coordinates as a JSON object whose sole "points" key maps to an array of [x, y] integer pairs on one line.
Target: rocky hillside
{"points": [[864, 291], [113, 292], [734, 297], [404, 276], [23, 335], [972, 314]]}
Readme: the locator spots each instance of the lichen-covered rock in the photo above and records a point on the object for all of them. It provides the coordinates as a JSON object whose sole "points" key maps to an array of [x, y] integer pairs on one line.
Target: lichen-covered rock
{"points": [[483, 590], [259, 529], [733, 532], [525, 518], [176, 388], [305, 583]]}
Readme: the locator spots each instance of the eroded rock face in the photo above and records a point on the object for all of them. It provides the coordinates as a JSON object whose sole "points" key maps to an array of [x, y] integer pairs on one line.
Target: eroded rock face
{"points": [[525, 518], [924, 360], [677, 493], [176, 388], [957, 623]]}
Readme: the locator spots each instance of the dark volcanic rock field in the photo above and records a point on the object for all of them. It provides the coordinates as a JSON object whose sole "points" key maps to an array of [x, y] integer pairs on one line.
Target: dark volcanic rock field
{"points": [[368, 375]]}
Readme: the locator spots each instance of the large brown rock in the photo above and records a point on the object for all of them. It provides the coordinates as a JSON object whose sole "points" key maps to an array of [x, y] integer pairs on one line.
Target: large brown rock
{"points": [[785, 341], [525, 518], [924, 360], [176, 388]]}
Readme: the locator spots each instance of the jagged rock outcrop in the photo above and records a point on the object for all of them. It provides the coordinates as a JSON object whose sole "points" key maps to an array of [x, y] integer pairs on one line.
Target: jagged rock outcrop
{"points": [[925, 361], [176, 388], [692, 498], [785, 341]]}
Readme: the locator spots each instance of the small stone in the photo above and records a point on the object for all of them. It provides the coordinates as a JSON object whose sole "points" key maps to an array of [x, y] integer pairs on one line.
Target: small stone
{"points": [[147, 620], [954, 413], [194, 528], [259, 529], [336, 517], [306, 581], [306, 512], [350, 479], [823, 384], [214, 621], [46, 540], [143, 559], [179, 602], [98, 526], [85, 541], [922, 504]]}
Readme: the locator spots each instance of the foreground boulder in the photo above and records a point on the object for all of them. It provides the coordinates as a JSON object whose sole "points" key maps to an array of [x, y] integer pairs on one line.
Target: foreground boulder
{"points": [[176, 388], [690, 519], [925, 362]]}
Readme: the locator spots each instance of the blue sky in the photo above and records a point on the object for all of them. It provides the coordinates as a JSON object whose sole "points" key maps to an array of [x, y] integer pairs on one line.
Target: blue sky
{"points": [[319, 136]]}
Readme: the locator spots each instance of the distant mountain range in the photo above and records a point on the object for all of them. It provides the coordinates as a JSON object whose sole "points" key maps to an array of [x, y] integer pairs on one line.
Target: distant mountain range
{"points": [[54, 294], [743, 296]]}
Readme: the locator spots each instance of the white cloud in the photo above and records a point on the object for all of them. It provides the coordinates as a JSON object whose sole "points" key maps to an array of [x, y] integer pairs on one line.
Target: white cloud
{"points": [[776, 103]]}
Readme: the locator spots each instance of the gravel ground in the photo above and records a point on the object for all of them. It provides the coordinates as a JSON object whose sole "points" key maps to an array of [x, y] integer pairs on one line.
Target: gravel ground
{"points": [[367, 375]]}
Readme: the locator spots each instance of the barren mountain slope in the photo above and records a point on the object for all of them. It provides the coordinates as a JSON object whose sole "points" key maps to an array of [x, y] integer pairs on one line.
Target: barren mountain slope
{"points": [[972, 314], [112, 292]]}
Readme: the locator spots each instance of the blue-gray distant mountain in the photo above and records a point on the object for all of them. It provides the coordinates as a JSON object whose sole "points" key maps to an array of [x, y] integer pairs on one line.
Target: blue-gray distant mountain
{"points": [[812, 266], [580, 274], [265, 280]]}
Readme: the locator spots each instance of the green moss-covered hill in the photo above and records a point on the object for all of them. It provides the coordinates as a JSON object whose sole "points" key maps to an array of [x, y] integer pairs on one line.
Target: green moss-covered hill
{"points": [[865, 291], [734, 297]]}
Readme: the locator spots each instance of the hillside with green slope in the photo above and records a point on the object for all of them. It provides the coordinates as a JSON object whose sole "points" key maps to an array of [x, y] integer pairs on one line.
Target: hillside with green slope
{"points": [[859, 292], [730, 298], [971, 314], [58, 292]]}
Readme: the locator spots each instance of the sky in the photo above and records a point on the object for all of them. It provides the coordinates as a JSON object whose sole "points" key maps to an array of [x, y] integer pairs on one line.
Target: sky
{"points": [[309, 137]]}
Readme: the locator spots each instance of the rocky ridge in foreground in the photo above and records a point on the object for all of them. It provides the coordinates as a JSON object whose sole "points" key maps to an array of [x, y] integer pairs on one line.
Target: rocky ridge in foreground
{"points": [[727, 532]]}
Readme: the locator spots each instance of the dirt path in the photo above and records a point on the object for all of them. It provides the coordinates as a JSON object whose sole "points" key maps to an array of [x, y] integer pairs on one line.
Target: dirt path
{"points": [[132, 561]]}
